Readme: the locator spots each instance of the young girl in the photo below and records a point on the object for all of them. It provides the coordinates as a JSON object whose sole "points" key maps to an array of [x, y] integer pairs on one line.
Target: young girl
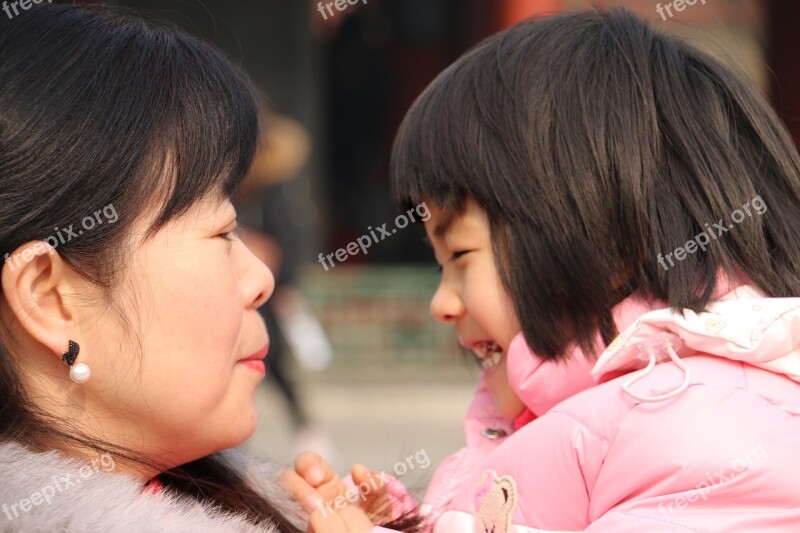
{"points": [[593, 180], [131, 344]]}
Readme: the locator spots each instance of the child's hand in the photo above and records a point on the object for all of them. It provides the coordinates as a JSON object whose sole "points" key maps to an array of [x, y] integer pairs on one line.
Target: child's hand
{"points": [[376, 502], [312, 482], [349, 519]]}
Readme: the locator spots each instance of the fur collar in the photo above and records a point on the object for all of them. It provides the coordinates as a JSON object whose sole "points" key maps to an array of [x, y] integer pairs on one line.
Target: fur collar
{"points": [[50, 492]]}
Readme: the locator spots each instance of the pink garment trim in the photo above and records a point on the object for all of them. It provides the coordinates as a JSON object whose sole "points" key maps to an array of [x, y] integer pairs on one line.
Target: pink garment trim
{"points": [[153, 486], [524, 419]]}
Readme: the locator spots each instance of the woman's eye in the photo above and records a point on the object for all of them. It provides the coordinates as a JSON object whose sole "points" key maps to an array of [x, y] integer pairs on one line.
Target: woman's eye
{"points": [[231, 235]]}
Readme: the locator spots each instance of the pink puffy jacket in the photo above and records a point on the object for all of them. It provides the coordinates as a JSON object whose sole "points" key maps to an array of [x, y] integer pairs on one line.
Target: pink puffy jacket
{"points": [[685, 423]]}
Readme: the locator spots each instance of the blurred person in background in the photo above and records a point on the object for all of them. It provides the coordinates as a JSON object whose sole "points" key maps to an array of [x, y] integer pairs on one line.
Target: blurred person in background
{"points": [[283, 150]]}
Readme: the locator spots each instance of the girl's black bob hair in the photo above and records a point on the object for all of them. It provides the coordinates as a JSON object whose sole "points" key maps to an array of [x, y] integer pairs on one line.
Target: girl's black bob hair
{"points": [[597, 146]]}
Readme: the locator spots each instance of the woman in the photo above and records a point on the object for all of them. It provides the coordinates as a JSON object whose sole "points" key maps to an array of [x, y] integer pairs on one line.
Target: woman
{"points": [[131, 344]]}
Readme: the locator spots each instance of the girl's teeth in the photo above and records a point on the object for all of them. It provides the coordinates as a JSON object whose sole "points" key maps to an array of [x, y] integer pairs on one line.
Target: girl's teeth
{"points": [[491, 355], [492, 361]]}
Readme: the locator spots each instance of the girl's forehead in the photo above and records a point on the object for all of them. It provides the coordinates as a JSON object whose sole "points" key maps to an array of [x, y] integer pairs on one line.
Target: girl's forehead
{"points": [[449, 220]]}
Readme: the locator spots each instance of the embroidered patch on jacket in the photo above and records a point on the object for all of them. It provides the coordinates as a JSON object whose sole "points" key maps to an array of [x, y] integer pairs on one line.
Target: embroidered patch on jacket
{"points": [[714, 325], [496, 499]]}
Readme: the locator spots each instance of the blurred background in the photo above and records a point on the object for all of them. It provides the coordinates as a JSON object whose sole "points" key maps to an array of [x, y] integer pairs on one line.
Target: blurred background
{"points": [[358, 370]]}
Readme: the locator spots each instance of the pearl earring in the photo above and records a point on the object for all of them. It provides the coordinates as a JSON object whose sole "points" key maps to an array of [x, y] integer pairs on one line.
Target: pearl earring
{"points": [[78, 373]]}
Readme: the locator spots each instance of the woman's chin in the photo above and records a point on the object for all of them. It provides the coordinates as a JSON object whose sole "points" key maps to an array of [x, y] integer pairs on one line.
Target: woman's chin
{"points": [[240, 427], [246, 427]]}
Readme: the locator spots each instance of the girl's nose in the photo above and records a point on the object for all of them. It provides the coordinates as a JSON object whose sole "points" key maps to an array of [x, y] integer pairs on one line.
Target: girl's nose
{"points": [[446, 304]]}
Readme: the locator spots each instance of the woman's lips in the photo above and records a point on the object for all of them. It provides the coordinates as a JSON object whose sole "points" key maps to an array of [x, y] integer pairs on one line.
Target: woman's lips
{"points": [[261, 354], [257, 365], [256, 361]]}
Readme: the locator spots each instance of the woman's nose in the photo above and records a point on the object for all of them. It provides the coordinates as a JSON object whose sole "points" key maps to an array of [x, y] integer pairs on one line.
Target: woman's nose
{"points": [[258, 282]]}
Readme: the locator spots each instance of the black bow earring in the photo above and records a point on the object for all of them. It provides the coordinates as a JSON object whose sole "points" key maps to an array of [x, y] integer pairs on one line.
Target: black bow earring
{"points": [[78, 373]]}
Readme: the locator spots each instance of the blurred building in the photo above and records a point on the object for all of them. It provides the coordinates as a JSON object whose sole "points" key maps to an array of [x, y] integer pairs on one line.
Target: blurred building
{"points": [[348, 78], [398, 383]]}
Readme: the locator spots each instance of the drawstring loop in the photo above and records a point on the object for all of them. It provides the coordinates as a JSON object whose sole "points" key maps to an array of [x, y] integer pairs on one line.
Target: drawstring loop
{"points": [[649, 346]]}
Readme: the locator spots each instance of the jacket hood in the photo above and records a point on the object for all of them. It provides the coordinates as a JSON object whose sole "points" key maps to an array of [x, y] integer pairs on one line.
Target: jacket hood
{"points": [[541, 384], [744, 325]]}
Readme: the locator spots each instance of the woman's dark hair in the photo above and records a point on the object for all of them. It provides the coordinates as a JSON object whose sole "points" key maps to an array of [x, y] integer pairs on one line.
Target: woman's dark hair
{"points": [[597, 146], [97, 109]]}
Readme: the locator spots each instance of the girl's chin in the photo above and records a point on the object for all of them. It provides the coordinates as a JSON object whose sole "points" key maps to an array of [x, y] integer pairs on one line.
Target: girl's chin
{"points": [[507, 404], [500, 405], [510, 412], [496, 379]]}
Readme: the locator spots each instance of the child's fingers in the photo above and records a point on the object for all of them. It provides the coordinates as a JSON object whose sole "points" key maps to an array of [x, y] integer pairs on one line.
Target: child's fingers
{"points": [[360, 474], [320, 475], [363, 476], [300, 490], [314, 469], [355, 519], [349, 519], [376, 497]]}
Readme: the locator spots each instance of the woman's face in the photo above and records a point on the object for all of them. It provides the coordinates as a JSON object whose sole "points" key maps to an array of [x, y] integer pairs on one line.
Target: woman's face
{"points": [[472, 297], [191, 295]]}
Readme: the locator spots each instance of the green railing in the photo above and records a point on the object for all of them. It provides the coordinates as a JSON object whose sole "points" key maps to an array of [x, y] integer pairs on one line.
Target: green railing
{"points": [[379, 316]]}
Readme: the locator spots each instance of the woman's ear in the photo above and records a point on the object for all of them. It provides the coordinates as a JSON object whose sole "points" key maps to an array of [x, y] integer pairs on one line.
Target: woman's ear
{"points": [[37, 284]]}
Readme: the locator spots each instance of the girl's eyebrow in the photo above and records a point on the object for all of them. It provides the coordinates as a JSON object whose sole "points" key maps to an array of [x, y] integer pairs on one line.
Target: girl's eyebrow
{"points": [[442, 227]]}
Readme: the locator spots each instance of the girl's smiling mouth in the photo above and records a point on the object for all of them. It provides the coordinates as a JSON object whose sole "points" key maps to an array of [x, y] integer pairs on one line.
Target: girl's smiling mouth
{"points": [[489, 354]]}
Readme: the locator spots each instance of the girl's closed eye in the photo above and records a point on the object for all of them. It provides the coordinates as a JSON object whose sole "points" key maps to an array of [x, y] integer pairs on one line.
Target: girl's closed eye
{"points": [[459, 254], [454, 257]]}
